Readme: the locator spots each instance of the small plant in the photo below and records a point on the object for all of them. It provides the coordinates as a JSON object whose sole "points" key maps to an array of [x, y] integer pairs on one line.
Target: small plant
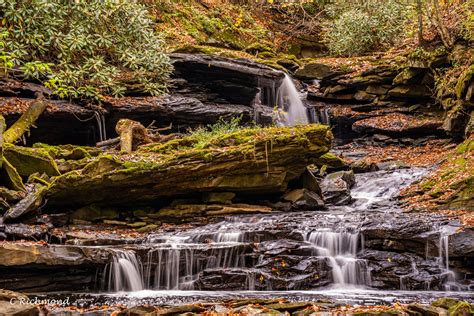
{"points": [[205, 136]]}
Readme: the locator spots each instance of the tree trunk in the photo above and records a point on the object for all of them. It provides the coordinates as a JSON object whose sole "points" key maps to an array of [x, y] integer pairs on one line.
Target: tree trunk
{"points": [[25, 122], [2, 129], [419, 10], [131, 133], [443, 32]]}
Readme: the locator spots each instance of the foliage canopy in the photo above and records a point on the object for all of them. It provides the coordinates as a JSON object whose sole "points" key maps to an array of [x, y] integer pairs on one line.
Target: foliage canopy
{"points": [[84, 48]]}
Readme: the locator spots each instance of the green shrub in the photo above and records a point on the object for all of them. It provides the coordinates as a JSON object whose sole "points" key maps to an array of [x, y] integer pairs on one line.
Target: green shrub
{"points": [[360, 28], [85, 48]]}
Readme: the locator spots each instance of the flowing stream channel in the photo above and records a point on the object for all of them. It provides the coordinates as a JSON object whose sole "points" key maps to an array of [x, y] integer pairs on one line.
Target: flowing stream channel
{"points": [[312, 254]]}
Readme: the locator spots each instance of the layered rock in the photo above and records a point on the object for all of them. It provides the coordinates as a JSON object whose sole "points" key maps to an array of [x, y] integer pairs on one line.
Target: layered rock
{"points": [[248, 162]]}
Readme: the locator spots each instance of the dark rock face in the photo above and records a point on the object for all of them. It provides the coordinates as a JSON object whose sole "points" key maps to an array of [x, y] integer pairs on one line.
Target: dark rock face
{"points": [[234, 80], [336, 187]]}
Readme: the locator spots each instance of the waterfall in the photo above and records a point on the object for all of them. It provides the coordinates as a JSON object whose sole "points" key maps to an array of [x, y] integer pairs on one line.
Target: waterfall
{"points": [[443, 260], [291, 109], [100, 119], [124, 272], [176, 263], [340, 249]]}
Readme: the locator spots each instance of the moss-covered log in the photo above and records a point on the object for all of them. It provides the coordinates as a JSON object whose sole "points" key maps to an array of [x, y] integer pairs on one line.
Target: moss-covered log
{"points": [[25, 122], [250, 161]]}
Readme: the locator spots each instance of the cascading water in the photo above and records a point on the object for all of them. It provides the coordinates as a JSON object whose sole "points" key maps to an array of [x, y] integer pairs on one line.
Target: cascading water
{"points": [[123, 273], [100, 119], [292, 110], [176, 264], [340, 248]]}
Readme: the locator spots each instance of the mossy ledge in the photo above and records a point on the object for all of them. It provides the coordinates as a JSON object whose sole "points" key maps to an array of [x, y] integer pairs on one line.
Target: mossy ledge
{"points": [[251, 160]]}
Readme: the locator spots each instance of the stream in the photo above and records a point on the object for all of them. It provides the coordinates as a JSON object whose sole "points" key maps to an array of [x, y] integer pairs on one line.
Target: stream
{"points": [[311, 255]]}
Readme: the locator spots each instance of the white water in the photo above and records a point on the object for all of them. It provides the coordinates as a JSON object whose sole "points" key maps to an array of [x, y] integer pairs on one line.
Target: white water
{"points": [[291, 109], [176, 264], [340, 248], [124, 272]]}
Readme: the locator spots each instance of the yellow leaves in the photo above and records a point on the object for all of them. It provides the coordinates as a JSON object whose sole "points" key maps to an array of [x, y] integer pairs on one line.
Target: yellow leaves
{"points": [[261, 279]]}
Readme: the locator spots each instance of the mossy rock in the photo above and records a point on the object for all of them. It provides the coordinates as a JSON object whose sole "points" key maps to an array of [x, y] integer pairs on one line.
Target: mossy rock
{"points": [[251, 160], [30, 160], [332, 161], [461, 309], [69, 152], [10, 177], [445, 302]]}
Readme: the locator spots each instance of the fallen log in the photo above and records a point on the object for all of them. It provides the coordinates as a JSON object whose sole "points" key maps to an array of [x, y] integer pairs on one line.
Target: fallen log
{"points": [[25, 122]]}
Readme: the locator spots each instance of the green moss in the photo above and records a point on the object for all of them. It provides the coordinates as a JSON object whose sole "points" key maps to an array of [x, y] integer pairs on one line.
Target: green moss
{"points": [[30, 160], [461, 309], [10, 177]]}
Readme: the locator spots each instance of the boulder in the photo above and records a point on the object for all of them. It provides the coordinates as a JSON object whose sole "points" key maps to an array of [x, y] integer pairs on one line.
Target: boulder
{"points": [[316, 71], [30, 160], [304, 199], [336, 187]]}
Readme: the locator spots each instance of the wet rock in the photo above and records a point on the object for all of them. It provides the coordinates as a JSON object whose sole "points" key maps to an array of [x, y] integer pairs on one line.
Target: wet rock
{"points": [[336, 187], [364, 96], [445, 302], [304, 199], [392, 270], [461, 244], [461, 309], [32, 201], [310, 182], [27, 232]]}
